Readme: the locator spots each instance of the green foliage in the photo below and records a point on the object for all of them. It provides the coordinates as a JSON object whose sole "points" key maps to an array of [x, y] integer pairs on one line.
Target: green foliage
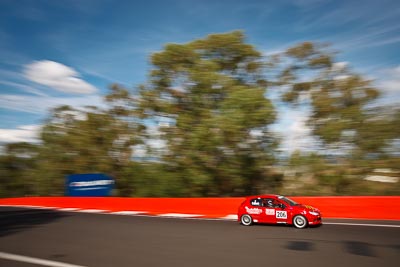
{"points": [[342, 119], [212, 93], [211, 89], [339, 100], [16, 167], [74, 141]]}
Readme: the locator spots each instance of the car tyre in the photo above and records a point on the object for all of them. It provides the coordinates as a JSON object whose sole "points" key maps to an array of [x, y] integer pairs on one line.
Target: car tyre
{"points": [[300, 222], [246, 220]]}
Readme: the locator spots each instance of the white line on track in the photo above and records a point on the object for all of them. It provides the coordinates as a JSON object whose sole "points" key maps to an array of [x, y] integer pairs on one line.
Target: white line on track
{"points": [[230, 217], [364, 224], [127, 212], [92, 211], [14, 257]]}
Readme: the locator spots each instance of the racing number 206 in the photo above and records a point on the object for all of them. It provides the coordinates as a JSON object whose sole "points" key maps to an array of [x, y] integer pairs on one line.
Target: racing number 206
{"points": [[280, 214]]}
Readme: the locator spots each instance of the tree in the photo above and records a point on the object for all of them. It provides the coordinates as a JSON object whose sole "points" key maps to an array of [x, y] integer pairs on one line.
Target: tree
{"points": [[205, 107], [17, 169], [213, 93], [341, 115], [88, 141], [337, 96]]}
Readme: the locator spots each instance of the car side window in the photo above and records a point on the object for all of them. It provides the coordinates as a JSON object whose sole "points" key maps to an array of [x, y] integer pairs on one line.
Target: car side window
{"points": [[256, 202], [270, 203]]}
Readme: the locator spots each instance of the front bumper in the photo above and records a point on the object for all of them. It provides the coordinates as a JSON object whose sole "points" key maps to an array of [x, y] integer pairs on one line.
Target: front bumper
{"points": [[315, 220]]}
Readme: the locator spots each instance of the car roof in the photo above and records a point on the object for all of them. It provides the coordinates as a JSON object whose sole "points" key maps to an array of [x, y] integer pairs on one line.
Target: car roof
{"points": [[263, 196]]}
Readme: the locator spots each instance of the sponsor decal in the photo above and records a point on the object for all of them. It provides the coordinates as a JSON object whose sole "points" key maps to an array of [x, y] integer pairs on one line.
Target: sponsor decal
{"points": [[270, 211], [91, 183], [253, 210], [255, 202], [281, 214]]}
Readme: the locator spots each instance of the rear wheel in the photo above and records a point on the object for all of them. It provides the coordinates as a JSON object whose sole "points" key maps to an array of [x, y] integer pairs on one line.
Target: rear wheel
{"points": [[246, 220], [300, 221]]}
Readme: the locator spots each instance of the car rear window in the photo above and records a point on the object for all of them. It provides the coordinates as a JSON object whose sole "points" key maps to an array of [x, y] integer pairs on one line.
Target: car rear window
{"points": [[255, 202]]}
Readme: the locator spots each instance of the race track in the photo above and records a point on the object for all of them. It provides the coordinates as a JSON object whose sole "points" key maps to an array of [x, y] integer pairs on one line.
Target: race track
{"points": [[101, 240]]}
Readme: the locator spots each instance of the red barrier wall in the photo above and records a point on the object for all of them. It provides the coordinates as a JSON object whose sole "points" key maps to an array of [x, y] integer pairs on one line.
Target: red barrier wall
{"points": [[384, 208]]}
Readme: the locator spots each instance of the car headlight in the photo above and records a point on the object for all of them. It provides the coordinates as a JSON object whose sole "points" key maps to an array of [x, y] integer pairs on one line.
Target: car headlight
{"points": [[314, 213]]}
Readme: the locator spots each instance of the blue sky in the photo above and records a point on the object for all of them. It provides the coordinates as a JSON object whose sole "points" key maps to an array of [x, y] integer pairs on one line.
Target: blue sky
{"points": [[68, 52]]}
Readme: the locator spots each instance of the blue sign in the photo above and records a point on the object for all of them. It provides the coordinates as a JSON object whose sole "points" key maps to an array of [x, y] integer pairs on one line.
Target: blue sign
{"points": [[89, 185]]}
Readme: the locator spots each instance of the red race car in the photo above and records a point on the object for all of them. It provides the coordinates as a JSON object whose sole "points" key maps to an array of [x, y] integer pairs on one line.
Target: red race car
{"points": [[277, 209]]}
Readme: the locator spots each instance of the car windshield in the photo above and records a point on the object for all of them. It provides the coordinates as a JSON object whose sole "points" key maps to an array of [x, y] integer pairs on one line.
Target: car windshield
{"points": [[288, 200]]}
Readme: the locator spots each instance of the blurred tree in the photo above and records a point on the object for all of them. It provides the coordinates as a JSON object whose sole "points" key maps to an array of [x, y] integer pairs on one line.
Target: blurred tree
{"points": [[213, 93], [17, 167], [205, 107], [337, 96], [341, 114], [88, 141]]}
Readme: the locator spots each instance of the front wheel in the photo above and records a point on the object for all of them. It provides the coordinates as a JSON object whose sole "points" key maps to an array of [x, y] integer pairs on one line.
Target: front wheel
{"points": [[300, 221], [246, 220]]}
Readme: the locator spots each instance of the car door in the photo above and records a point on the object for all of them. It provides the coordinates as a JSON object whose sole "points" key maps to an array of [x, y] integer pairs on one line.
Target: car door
{"points": [[274, 211], [281, 213], [269, 211]]}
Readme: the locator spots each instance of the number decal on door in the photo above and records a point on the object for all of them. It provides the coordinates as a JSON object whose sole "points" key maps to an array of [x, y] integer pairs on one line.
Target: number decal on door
{"points": [[281, 214], [270, 212]]}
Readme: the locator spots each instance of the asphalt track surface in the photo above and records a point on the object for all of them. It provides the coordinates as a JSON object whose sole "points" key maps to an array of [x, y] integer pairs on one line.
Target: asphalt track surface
{"points": [[101, 240]]}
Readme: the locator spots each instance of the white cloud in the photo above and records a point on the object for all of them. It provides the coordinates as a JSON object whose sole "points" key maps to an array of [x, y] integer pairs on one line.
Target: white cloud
{"points": [[58, 77], [270, 52], [339, 66], [24, 87], [24, 133], [391, 82], [40, 105], [388, 83], [341, 77], [391, 85], [296, 134], [370, 37]]}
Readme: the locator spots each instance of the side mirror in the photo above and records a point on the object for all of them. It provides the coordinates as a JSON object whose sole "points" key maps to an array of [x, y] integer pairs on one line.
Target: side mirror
{"points": [[282, 206]]}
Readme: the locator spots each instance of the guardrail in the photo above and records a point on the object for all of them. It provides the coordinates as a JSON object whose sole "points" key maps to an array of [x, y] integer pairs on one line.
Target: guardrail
{"points": [[378, 207]]}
